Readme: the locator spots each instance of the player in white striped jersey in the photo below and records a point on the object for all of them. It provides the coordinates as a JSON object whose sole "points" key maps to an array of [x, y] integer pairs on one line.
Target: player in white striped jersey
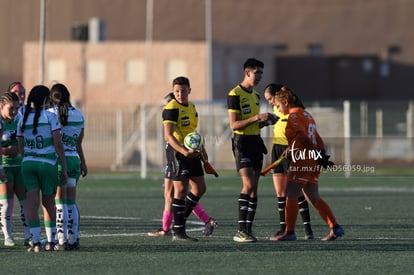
{"points": [[72, 131], [39, 141]]}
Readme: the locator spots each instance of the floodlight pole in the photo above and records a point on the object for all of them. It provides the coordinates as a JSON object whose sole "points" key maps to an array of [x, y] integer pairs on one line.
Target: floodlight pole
{"points": [[347, 137], [148, 87], [42, 38], [209, 42], [209, 74]]}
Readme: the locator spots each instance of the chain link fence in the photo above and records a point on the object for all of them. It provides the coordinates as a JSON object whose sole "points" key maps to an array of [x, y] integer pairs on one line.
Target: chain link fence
{"points": [[379, 133]]}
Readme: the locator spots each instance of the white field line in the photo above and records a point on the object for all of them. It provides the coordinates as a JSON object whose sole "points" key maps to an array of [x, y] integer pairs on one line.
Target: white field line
{"points": [[368, 189], [199, 224], [195, 229]]}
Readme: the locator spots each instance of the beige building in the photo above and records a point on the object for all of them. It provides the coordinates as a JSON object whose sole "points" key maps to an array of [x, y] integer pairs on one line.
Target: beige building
{"points": [[119, 75]]}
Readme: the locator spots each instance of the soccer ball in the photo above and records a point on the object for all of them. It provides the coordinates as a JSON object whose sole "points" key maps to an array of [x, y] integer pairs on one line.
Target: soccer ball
{"points": [[193, 141]]}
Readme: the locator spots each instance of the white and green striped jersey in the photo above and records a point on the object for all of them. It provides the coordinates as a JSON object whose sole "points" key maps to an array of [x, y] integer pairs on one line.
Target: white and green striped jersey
{"points": [[40, 146], [70, 132]]}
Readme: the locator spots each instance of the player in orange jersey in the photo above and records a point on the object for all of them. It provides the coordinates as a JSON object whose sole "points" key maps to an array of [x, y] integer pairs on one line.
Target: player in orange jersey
{"points": [[280, 172], [307, 155]]}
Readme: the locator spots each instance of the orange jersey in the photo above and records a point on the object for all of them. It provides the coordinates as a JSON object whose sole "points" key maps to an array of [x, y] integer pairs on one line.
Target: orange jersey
{"points": [[305, 147]]}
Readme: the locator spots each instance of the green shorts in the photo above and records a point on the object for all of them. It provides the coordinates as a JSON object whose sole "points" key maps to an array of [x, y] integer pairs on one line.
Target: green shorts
{"points": [[14, 175], [73, 166], [40, 175]]}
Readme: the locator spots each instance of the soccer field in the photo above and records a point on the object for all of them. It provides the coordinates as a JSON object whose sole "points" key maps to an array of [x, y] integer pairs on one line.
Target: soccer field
{"points": [[118, 209]]}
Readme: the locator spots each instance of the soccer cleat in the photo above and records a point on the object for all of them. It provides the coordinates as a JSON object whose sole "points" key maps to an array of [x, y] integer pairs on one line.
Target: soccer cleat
{"points": [[183, 237], [37, 247], [74, 246], [49, 246], [61, 247], [253, 237], [309, 236], [28, 242], [330, 237], [242, 237], [276, 235], [209, 227], [338, 230], [334, 233], [286, 237], [9, 241], [159, 233]]}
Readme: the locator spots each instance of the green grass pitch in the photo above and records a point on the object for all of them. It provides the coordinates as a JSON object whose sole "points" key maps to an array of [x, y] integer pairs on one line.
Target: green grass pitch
{"points": [[118, 209]]}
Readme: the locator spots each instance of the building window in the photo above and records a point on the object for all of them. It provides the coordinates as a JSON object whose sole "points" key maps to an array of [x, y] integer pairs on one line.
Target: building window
{"points": [[56, 70], [95, 72], [315, 49], [176, 67], [135, 72]]}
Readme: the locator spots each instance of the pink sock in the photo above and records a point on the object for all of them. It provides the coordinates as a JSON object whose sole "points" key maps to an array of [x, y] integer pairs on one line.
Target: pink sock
{"points": [[201, 213], [167, 218]]}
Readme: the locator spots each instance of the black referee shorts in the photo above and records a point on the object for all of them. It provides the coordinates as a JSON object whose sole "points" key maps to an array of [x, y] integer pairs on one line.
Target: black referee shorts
{"points": [[277, 151], [180, 168], [248, 151]]}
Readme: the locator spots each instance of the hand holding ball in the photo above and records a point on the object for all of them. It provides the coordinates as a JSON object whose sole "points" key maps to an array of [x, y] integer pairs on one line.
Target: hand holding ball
{"points": [[193, 141]]}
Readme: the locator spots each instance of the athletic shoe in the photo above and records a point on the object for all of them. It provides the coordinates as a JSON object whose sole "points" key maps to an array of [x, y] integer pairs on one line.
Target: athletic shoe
{"points": [[28, 242], [330, 237], [275, 236], [37, 247], [286, 237], [338, 230], [309, 236], [334, 233], [253, 237], [183, 237], [242, 237], [61, 247], [159, 233], [209, 227], [74, 246], [49, 246], [9, 241]]}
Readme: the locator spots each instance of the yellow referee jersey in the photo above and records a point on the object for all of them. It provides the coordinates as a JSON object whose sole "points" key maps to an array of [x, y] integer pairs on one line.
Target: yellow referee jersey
{"points": [[279, 136], [185, 117], [246, 104]]}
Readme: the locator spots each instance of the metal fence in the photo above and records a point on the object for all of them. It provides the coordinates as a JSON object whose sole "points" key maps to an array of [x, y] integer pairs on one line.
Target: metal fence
{"points": [[378, 132]]}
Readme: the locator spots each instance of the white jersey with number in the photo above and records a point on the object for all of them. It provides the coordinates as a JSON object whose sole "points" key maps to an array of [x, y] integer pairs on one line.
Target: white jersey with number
{"points": [[70, 132], [39, 146]]}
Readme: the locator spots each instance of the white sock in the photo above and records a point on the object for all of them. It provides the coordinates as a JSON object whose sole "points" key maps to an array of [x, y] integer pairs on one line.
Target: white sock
{"points": [[4, 205], [73, 223], [61, 223], [23, 207]]}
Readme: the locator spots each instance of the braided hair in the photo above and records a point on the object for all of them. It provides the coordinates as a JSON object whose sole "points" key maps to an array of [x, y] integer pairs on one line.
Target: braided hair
{"points": [[60, 96], [38, 98]]}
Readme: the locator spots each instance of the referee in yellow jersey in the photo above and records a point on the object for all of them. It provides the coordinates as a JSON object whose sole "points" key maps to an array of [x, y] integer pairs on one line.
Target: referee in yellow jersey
{"points": [[243, 104]]}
